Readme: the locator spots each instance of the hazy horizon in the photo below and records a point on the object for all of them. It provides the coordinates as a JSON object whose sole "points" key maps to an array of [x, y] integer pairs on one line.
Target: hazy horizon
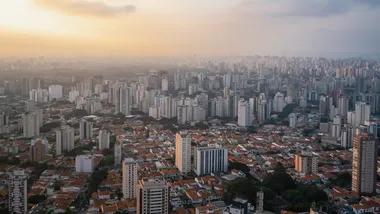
{"points": [[345, 28]]}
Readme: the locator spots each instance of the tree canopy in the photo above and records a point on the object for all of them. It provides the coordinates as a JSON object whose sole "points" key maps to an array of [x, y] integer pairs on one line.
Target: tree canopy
{"points": [[279, 181], [49, 127], [35, 199]]}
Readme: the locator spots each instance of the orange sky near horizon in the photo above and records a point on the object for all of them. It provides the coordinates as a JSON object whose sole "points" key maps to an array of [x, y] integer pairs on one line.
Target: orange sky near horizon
{"points": [[187, 27]]}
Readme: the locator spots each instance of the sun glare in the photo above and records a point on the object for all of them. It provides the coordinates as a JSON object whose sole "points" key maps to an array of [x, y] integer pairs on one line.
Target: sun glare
{"points": [[23, 15]]}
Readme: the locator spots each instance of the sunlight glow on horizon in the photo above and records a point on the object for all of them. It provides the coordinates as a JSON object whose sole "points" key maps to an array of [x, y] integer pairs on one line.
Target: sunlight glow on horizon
{"points": [[24, 16], [186, 27]]}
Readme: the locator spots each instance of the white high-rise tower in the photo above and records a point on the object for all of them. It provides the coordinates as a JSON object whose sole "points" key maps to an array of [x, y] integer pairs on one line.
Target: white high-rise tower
{"points": [[129, 178], [104, 139], [362, 113], [244, 114]]}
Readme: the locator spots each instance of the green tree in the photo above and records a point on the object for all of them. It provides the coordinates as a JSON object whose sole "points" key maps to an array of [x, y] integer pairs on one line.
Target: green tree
{"points": [[315, 194], [49, 127], [68, 211], [57, 185], [106, 152], [119, 193], [35, 199], [279, 181], [292, 196], [238, 166]]}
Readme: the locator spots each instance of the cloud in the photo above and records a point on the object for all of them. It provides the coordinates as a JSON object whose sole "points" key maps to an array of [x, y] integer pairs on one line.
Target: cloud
{"points": [[308, 8], [84, 8]]}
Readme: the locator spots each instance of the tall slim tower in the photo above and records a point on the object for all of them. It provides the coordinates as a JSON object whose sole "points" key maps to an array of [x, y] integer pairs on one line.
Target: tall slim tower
{"points": [[31, 124], [64, 139], [17, 199], [4, 123], [336, 127], [125, 100], [104, 139], [364, 164], [260, 201], [293, 120], [117, 152], [343, 105], [183, 153], [362, 113], [129, 178], [85, 129], [244, 114]]}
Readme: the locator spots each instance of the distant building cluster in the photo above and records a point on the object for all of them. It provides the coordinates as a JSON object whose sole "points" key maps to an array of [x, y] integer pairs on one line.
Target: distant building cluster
{"points": [[190, 138]]}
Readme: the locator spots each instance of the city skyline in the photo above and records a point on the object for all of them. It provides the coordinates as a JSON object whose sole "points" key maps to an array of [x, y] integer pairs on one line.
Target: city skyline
{"points": [[150, 28]]}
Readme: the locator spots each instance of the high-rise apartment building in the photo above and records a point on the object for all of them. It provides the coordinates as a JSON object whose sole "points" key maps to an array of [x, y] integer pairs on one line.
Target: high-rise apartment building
{"points": [[64, 139], [55, 92], [84, 163], [31, 124], [336, 126], [210, 159], [347, 136], [244, 114], [117, 153], [125, 101], [183, 153], [152, 196], [181, 114], [343, 105], [38, 149], [306, 163], [362, 113], [39, 95], [18, 196], [278, 102], [351, 118], [86, 129], [262, 111], [364, 164], [226, 92], [104, 139], [4, 123], [130, 178], [293, 120]]}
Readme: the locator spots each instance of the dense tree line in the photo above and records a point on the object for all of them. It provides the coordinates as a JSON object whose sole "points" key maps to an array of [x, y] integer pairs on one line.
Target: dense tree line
{"points": [[279, 190], [49, 127]]}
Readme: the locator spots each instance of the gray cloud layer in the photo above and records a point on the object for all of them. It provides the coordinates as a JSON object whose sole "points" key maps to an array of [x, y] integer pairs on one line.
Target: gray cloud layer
{"points": [[84, 8], [310, 8]]}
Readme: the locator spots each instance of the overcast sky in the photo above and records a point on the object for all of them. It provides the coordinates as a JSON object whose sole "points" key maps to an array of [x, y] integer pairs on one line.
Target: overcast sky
{"points": [[187, 27]]}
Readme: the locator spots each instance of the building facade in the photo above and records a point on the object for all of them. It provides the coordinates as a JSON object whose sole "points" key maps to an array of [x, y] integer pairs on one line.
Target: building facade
{"points": [[152, 196], [306, 163], [364, 164], [38, 150], [130, 178], [244, 114], [293, 120], [86, 130], [117, 153], [18, 196], [55, 92], [31, 124], [64, 139], [104, 139], [84, 163], [183, 153], [210, 159]]}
